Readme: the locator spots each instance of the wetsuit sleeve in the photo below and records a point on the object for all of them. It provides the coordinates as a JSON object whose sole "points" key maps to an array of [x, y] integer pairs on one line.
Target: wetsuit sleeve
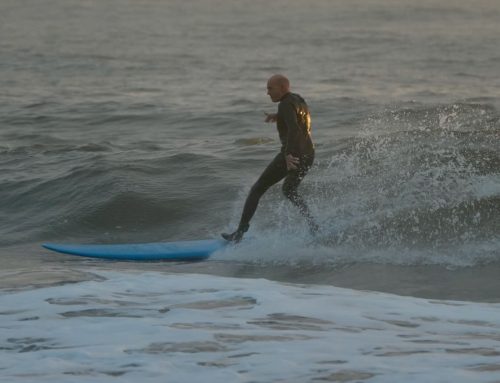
{"points": [[289, 114]]}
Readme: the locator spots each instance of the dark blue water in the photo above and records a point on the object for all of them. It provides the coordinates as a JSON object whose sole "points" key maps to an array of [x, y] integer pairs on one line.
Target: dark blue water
{"points": [[125, 121]]}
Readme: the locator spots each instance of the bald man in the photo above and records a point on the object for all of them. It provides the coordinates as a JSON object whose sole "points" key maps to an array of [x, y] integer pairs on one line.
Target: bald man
{"points": [[291, 163]]}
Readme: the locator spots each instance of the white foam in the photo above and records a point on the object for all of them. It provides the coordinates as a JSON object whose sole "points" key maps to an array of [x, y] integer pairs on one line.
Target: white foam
{"points": [[155, 327]]}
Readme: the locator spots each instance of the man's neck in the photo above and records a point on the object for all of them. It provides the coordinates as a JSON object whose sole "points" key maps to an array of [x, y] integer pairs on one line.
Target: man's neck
{"points": [[283, 97]]}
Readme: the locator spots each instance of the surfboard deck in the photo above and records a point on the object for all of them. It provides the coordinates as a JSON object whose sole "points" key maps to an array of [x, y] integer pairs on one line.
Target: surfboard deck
{"points": [[158, 251]]}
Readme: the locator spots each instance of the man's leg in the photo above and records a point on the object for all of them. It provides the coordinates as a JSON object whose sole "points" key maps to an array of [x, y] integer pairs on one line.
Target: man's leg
{"points": [[290, 186], [273, 173]]}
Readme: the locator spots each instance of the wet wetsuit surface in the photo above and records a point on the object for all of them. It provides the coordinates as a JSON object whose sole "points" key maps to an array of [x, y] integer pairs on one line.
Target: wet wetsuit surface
{"points": [[294, 126], [294, 129]]}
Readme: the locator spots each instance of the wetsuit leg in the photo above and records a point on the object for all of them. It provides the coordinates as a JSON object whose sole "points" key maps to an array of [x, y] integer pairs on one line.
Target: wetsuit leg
{"points": [[291, 184], [274, 173]]}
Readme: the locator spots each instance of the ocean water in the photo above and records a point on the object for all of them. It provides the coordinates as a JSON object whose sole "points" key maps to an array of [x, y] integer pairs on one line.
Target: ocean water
{"points": [[155, 327], [143, 121]]}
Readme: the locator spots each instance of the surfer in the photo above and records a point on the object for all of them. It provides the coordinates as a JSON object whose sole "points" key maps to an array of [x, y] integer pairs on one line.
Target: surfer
{"points": [[292, 162]]}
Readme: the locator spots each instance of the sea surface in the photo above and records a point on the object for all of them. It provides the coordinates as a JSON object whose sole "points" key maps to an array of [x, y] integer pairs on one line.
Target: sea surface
{"points": [[127, 121]]}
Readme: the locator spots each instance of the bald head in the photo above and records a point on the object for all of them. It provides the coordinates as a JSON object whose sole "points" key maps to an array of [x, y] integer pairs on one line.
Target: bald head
{"points": [[277, 86], [280, 80]]}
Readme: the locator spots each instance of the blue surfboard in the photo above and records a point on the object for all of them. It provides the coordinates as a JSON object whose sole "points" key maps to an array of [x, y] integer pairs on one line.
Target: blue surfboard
{"points": [[159, 251]]}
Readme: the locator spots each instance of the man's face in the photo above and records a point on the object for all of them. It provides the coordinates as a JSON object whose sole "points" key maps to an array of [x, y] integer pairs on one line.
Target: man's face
{"points": [[275, 90]]}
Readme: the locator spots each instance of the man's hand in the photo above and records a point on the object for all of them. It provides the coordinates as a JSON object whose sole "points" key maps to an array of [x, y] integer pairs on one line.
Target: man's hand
{"points": [[291, 162], [271, 117]]}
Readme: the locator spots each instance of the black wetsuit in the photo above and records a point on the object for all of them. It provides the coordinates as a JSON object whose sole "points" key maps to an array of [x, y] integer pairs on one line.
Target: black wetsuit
{"points": [[294, 128]]}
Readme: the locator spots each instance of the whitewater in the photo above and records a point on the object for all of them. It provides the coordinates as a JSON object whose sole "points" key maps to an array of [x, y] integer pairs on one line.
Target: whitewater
{"points": [[157, 327]]}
